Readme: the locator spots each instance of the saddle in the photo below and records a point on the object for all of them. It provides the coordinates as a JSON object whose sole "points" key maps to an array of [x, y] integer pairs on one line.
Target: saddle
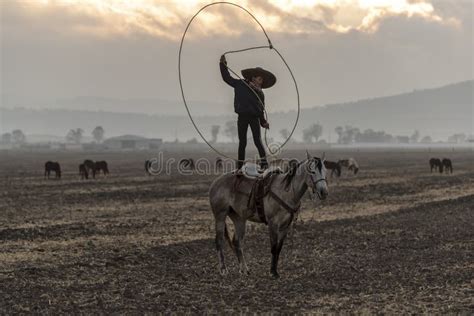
{"points": [[260, 187], [252, 171]]}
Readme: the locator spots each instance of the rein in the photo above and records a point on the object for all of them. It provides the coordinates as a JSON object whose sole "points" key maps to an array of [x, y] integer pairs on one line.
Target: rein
{"points": [[285, 205]]}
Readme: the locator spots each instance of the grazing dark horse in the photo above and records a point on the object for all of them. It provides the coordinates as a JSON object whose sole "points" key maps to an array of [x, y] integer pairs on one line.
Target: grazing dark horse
{"points": [[83, 172], [448, 165], [186, 163], [335, 167], [90, 167], [148, 164], [101, 166], [281, 202], [219, 163], [436, 164], [52, 166]]}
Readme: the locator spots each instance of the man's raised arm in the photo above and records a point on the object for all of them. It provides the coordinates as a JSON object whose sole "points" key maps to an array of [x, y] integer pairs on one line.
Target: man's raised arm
{"points": [[225, 73]]}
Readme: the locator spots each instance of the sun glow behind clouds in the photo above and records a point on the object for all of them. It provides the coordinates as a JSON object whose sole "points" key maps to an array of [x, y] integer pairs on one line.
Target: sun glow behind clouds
{"points": [[362, 15], [167, 18]]}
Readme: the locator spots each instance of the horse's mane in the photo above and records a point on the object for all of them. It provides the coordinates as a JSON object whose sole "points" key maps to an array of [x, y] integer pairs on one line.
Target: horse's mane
{"points": [[290, 174]]}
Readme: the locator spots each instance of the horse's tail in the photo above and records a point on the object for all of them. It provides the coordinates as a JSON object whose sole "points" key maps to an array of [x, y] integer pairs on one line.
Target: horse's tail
{"points": [[227, 237]]}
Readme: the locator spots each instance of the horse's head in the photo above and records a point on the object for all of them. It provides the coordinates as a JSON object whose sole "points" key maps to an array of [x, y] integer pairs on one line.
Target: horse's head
{"points": [[316, 176]]}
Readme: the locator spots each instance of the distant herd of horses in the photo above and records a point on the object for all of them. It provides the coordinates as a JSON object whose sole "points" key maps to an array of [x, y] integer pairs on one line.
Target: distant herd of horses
{"points": [[335, 167], [88, 167], [444, 165]]}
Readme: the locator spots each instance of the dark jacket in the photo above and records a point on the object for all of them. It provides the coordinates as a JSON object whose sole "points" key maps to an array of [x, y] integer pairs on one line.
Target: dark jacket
{"points": [[245, 100]]}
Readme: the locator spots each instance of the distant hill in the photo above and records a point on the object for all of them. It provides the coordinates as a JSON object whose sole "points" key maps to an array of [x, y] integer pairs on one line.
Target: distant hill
{"points": [[438, 112]]}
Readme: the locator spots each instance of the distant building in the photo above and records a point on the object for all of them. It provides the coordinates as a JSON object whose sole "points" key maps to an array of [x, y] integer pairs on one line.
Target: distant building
{"points": [[132, 142], [403, 139]]}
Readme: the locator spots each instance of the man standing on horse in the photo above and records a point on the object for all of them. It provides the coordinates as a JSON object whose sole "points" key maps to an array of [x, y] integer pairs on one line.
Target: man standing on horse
{"points": [[249, 103]]}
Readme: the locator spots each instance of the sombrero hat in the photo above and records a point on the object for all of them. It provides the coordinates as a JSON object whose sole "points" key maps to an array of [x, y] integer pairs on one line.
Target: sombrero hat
{"points": [[269, 79]]}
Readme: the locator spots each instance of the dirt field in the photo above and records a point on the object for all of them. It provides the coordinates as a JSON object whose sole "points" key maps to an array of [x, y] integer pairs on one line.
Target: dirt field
{"points": [[394, 238]]}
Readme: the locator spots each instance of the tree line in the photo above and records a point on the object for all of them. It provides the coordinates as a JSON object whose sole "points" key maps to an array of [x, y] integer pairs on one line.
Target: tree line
{"points": [[18, 137], [345, 135]]}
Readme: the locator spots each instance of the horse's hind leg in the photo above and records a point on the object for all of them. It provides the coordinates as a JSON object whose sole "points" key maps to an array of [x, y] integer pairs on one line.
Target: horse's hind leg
{"points": [[237, 241], [221, 230]]}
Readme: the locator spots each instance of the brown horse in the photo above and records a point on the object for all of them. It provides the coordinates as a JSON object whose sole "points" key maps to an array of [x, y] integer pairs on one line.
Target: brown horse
{"points": [[83, 172], [101, 166], [148, 164], [96, 167], [90, 167], [335, 167], [52, 166], [351, 165], [436, 164], [448, 165], [219, 163]]}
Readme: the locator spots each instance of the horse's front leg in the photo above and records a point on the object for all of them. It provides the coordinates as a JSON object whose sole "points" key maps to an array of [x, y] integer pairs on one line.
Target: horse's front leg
{"points": [[278, 232], [237, 241]]}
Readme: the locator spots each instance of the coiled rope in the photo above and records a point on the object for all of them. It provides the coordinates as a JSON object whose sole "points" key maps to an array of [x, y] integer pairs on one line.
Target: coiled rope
{"points": [[269, 46]]}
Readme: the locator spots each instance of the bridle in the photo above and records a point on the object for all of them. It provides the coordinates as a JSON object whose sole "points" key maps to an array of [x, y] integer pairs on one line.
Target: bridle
{"points": [[314, 183]]}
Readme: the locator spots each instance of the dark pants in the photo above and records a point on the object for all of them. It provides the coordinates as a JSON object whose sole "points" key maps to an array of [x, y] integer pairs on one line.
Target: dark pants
{"points": [[242, 125]]}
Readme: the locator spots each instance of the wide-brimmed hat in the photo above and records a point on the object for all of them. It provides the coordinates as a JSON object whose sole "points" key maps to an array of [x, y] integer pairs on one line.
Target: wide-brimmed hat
{"points": [[269, 79]]}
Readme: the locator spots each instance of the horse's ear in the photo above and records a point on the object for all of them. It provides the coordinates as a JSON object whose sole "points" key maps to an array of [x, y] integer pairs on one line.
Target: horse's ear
{"points": [[324, 156], [308, 156]]}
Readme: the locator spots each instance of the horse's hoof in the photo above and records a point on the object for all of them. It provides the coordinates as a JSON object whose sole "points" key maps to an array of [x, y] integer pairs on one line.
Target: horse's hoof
{"points": [[244, 272], [275, 275], [224, 271]]}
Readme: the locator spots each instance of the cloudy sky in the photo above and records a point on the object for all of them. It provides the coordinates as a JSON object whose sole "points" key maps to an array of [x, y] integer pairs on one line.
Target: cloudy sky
{"points": [[339, 50]]}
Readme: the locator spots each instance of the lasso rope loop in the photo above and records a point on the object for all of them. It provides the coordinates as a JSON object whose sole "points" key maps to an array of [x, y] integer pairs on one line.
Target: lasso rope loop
{"points": [[270, 46]]}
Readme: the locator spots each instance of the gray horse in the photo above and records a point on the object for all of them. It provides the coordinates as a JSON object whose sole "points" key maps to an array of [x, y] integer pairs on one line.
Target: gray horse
{"points": [[280, 206]]}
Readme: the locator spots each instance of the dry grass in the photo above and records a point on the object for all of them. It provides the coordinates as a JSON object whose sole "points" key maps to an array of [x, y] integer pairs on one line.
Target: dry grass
{"points": [[393, 239]]}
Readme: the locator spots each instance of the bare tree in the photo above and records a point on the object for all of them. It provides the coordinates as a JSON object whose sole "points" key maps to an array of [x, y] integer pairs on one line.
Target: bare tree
{"points": [[339, 131], [371, 136], [231, 130], [215, 131], [6, 138], [75, 135], [311, 133], [98, 134], [457, 138], [415, 137], [350, 134], [18, 137], [426, 140]]}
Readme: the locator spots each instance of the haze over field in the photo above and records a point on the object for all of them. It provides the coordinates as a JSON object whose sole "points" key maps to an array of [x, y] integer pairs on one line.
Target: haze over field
{"points": [[438, 113]]}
